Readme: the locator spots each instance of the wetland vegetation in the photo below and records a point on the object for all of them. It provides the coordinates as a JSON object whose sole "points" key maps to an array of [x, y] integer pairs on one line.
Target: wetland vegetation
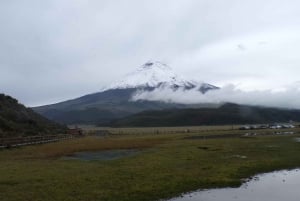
{"points": [[167, 166]]}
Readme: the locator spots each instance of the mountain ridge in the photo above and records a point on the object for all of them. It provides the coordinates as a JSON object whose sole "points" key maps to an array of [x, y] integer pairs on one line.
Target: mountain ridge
{"points": [[17, 120], [227, 114]]}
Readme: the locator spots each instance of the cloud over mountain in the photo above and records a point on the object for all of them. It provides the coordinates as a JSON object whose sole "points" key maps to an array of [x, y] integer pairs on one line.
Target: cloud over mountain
{"points": [[284, 97]]}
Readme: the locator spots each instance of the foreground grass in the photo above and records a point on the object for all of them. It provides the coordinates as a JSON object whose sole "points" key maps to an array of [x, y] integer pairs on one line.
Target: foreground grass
{"points": [[167, 166]]}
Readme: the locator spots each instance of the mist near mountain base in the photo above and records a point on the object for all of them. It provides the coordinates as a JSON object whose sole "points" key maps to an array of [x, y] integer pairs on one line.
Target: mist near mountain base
{"points": [[284, 98]]}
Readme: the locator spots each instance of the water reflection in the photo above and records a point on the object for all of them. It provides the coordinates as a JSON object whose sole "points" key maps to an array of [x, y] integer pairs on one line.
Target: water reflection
{"points": [[276, 186], [102, 155]]}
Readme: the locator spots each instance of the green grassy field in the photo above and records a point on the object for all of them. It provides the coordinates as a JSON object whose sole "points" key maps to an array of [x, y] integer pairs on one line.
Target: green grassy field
{"points": [[167, 166]]}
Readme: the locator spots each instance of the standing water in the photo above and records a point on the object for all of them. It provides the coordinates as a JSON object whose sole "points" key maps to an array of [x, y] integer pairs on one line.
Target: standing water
{"points": [[275, 186]]}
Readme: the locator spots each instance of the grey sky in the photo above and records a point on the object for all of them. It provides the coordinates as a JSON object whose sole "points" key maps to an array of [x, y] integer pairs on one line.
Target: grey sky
{"points": [[53, 50]]}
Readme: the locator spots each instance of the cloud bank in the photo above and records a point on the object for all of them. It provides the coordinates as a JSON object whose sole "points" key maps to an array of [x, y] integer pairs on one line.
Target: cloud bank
{"points": [[284, 98]]}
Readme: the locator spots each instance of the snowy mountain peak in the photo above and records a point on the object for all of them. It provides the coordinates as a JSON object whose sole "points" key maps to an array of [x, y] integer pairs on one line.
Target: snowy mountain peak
{"points": [[154, 74], [155, 64]]}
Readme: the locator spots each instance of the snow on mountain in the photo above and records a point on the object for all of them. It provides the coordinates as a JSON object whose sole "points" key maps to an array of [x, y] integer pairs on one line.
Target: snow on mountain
{"points": [[117, 100], [154, 75]]}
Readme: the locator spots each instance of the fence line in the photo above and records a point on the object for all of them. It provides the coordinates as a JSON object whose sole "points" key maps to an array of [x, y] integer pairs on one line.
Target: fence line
{"points": [[32, 140]]}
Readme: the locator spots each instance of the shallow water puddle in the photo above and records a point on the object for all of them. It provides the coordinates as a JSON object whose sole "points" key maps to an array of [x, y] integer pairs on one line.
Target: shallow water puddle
{"points": [[275, 186], [102, 155]]}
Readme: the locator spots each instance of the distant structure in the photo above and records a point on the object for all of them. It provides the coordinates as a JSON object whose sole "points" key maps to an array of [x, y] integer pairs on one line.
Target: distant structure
{"points": [[75, 131], [270, 126]]}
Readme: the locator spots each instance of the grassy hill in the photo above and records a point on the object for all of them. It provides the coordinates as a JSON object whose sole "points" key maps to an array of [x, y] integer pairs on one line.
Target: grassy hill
{"points": [[224, 115], [17, 120]]}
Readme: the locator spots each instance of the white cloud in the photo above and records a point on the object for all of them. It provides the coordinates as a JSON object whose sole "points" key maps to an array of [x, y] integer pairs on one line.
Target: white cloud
{"points": [[257, 61], [287, 97]]}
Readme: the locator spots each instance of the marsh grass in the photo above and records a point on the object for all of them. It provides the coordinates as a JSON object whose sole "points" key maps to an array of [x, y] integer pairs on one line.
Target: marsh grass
{"points": [[63, 148], [168, 166]]}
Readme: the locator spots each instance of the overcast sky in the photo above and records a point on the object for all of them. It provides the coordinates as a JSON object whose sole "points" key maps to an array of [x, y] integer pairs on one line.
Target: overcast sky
{"points": [[52, 50]]}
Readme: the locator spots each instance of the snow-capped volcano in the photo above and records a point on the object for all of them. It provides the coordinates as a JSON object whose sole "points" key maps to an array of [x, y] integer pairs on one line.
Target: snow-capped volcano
{"points": [[117, 100], [157, 74]]}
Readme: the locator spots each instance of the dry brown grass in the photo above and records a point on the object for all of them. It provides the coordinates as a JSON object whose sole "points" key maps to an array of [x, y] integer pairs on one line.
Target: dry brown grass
{"points": [[63, 148], [159, 130]]}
